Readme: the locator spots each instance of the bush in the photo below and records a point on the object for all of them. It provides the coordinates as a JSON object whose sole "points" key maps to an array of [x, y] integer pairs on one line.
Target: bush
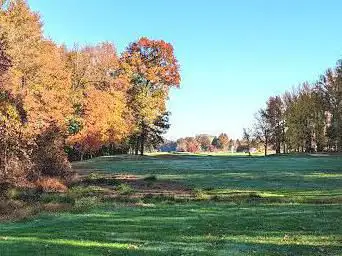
{"points": [[200, 194], [93, 176], [80, 191], [124, 189], [50, 185], [49, 156], [57, 198], [98, 179], [150, 178], [27, 195], [85, 203], [8, 207]]}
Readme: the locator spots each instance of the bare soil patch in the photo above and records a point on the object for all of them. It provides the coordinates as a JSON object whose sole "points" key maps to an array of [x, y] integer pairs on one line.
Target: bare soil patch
{"points": [[141, 186]]}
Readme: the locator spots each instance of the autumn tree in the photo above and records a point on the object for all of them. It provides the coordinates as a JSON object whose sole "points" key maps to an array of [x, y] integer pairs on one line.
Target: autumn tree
{"points": [[36, 85], [87, 98], [204, 141], [100, 113], [192, 145], [223, 141], [152, 70]]}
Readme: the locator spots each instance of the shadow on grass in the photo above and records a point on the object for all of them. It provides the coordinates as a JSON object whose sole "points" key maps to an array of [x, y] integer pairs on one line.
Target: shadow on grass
{"points": [[180, 229]]}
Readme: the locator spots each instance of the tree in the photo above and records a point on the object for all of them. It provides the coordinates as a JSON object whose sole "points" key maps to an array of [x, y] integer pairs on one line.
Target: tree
{"points": [[237, 144], [247, 137], [152, 70], [192, 145], [274, 113], [154, 133], [35, 90], [87, 99], [181, 145], [15, 149], [100, 113], [102, 121], [305, 120], [330, 85], [5, 62], [14, 161], [262, 128], [223, 141], [215, 143], [22, 29], [204, 141]]}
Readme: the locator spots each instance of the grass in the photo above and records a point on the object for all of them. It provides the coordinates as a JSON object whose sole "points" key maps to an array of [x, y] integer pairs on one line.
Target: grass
{"points": [[241, 206]]}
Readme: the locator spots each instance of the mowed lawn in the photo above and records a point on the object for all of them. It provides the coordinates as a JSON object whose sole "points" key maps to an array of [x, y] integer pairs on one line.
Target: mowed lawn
{"points": [[286, 205]]}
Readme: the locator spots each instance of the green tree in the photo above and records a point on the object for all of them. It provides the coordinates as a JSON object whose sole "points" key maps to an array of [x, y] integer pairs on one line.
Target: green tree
{"points": [[262, 128], [152, 69]]}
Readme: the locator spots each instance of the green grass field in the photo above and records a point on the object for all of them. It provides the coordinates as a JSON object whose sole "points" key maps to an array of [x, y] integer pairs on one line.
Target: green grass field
{"points": [[236, 205]]}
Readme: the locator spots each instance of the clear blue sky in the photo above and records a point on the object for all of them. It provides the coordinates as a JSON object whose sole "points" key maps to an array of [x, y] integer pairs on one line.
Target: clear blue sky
{"points": [[234, 54]]}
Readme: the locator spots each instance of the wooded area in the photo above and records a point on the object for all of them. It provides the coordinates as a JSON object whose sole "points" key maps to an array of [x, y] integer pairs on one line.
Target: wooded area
{"points": [[58, 103], [306, 119]]}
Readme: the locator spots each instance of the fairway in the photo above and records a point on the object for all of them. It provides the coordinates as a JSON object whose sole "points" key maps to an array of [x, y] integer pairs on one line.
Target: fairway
{"points": [[237, 205]]}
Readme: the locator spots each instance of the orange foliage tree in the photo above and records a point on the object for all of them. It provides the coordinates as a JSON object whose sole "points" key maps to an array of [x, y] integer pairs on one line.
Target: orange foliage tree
{"points": [[85, 98], [36, 85], [101, 116], [152, 69]]}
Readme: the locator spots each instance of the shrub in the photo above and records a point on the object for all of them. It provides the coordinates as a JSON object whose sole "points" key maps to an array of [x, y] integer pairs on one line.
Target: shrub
{"points": [[81, 191], [150, 178], [49, 156], [84, 204], [93, 176], [50, 185], [57, 198], [200, 194], [124, 189], [27, 195], [12, 193], [98, 179]]}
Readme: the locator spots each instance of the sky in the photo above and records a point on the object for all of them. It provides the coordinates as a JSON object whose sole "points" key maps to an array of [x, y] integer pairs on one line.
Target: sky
{"points": [[233, 54]]}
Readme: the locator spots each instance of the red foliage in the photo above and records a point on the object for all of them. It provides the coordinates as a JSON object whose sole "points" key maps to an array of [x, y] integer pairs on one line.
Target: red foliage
{"points": [[154, 61], [51, 185]]}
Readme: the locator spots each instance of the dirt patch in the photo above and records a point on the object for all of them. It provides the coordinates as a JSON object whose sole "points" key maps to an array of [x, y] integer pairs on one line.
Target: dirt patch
{"points": [[169, 157], [56, 207], [140, 186]]}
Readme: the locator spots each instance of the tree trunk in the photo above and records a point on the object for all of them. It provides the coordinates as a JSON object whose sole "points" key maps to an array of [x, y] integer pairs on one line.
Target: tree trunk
{"points": [[142, 142], [5, 158], [284, 144], [266, 142], [5, 151], [137, 146]]}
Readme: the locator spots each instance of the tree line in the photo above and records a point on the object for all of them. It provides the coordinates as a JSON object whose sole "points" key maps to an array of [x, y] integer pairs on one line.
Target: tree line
{"points": [[306, 119], [204, 143], [58, 103]]}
